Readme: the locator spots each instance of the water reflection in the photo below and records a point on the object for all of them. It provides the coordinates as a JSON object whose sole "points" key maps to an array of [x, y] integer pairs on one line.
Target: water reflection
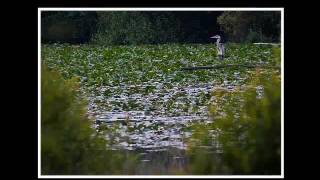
{"points": [[159, 162]]}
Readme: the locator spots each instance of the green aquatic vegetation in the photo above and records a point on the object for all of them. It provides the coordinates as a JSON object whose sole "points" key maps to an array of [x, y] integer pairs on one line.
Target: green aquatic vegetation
{"points": [[100, 65]]}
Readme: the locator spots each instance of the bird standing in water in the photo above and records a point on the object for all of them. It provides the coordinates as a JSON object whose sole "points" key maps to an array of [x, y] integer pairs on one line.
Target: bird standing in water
{"points": [[220, 46]]}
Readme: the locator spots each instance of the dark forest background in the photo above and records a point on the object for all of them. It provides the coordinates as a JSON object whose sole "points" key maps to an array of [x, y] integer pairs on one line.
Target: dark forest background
{"points": [[154, 27]]}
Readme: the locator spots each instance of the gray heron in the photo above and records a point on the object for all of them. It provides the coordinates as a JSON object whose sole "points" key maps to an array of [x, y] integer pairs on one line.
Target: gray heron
{"points": [[220, 46]]}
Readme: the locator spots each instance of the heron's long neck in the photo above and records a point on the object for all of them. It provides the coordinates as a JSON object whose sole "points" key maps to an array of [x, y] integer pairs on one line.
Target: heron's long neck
{"points": [[218, 40]]}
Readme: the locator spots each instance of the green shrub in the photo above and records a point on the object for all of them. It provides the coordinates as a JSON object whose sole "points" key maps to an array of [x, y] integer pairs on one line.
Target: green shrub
{"points": [[68, 144], [246, 128], [276, 52]]}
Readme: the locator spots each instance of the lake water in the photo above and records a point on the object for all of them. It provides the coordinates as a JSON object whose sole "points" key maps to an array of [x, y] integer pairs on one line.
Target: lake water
{"points": [[154, 124]]}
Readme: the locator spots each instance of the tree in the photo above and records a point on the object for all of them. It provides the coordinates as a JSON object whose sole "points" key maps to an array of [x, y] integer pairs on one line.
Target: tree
{"points": [[67, 26], [127, 27], [251, 26]]}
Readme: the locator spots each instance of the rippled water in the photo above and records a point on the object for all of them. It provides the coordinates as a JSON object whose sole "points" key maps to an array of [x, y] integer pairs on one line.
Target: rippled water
{"points": [[152, 120], [153, 116]]}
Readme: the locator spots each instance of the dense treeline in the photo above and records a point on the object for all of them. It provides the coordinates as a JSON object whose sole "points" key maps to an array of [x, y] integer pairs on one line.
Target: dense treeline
{"points": [[153, 27], [251, 26], [136, 28], [68, 26]]}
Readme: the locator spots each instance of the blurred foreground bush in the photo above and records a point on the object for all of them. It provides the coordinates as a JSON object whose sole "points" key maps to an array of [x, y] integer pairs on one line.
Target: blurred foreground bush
{"points": [[69, 146], [245, 135]]}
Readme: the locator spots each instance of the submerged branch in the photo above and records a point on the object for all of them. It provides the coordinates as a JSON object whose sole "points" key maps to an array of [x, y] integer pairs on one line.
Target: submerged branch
{"points": [[229, 65]]}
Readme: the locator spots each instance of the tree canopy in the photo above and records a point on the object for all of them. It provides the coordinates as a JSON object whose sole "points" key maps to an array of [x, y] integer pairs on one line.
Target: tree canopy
{"points": [[154, 27]]}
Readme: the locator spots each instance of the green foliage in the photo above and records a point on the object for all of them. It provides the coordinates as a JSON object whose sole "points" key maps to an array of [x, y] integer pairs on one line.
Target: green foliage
{"points": [[252, 36], [133, 27], [246, 127], [235, 24], [143, 27], [67, 26], [166, 27], [68, 144], [276, 52], [251, 26], [98, 65]]}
